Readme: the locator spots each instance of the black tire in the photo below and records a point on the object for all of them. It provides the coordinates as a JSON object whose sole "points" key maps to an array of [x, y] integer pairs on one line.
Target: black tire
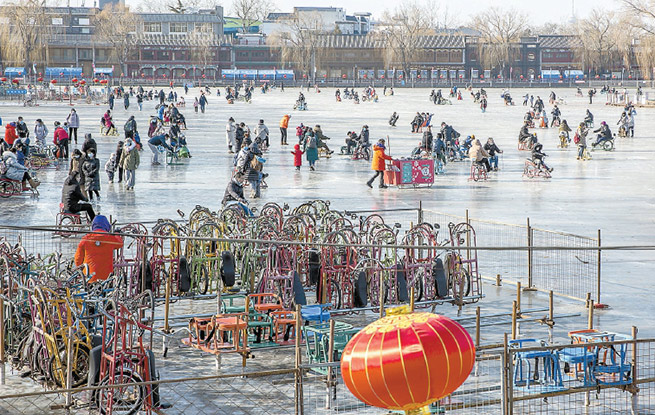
{"points": [[227, 268], [401, 285], [335, 295], [361, 289], [136, 394], [185, 277], [203, 280], [608, 145]]}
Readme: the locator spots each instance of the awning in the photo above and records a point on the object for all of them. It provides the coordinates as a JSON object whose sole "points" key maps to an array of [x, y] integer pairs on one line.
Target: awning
{"points": [[103, 71], [14, 72], [65, 72], [550, 74]]}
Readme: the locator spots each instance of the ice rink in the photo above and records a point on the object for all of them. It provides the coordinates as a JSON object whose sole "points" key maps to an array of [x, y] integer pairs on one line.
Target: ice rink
{"points": [[613, 192]]}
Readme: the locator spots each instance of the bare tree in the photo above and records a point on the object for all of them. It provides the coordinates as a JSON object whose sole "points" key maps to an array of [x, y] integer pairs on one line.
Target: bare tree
{"points": [[202, 44], [500, 29], [24, 32], [251, 11], [604, 40], [401, 31], [115, 26], [640, 16], [299, 41]]}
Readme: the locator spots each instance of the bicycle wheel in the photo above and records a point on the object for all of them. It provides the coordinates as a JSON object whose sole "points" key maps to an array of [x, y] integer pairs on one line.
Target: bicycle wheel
{"points": [[335, 295], [125, 400], [608, 145], [67, 226], [417, 284], [6, 189], [58, 366], [203, 280], [476, 174], [460, 284]]}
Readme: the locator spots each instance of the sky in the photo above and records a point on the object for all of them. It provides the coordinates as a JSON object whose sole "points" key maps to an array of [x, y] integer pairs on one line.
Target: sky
{"points": [[539, 12]]}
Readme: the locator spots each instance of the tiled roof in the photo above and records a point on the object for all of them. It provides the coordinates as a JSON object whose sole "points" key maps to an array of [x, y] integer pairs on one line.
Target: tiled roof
{"points": [[175, 40], [560, 42], [368, 41]]}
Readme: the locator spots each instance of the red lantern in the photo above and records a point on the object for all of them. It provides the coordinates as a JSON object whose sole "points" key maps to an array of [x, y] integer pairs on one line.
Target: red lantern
{"points": [[382, 77], [39, 79], [343, 76], [61, 74], [407, 361], [244, 76], [96, 80], [40, 74], [498, 76], [481, 76], [264, 76], [15, 80], [183, 75], [3, 79], [224, 76], [104, 81], [122, 74], [325, 76], [285, 77], [521, 76], [304, 75], [163, 75], [203, 76], [82, 82], [143, 75], [597, 76], [54, 81]]}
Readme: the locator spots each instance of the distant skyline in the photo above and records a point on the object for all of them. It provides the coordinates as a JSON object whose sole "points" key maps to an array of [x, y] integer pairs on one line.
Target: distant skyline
{"points": [[539, 12]]}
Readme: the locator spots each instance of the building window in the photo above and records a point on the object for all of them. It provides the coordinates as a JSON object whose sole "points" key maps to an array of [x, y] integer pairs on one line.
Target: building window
{"points": [[147, 55], [152, 27], [203, 27], [86, 30], [85, 54], [83, 21], [177, 27], [57, 21], [531, 56]]}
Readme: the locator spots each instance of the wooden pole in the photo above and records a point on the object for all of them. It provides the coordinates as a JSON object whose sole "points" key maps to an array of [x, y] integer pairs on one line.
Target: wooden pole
{"points": [[477, 327], [381, 295], [498, 280], [298, 388], [69, 368], [411, 299], [2, 341], [514, 320], [598, 272], [529, 253], [330, 374], [518, 296], [590, 320], [635, 360]]}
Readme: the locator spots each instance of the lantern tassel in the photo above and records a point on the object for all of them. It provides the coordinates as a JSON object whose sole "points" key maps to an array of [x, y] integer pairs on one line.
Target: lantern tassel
{"points": [[420, 411]]}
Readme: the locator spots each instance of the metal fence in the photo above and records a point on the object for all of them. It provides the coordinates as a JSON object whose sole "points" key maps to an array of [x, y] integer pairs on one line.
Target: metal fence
{"points": [[261, 393], [571, 272]]}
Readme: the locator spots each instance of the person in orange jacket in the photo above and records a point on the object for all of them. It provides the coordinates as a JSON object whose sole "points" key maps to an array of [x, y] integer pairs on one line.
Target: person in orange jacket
{"points": [[284, 124], [10, 136], [96, 249], [377, 164]]}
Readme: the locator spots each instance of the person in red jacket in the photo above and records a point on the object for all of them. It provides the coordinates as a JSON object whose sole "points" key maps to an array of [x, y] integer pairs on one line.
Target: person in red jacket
{"points": [[297, 156], [378, 163], [10, 136], [61, 140], [96, 249]]}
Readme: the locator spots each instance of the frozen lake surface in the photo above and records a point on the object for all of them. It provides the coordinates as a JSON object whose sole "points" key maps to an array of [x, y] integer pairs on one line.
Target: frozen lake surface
{"points": [[613, 192]]}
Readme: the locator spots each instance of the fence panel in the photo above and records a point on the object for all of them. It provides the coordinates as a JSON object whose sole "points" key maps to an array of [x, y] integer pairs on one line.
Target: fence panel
{"points": [[256, 393]]}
